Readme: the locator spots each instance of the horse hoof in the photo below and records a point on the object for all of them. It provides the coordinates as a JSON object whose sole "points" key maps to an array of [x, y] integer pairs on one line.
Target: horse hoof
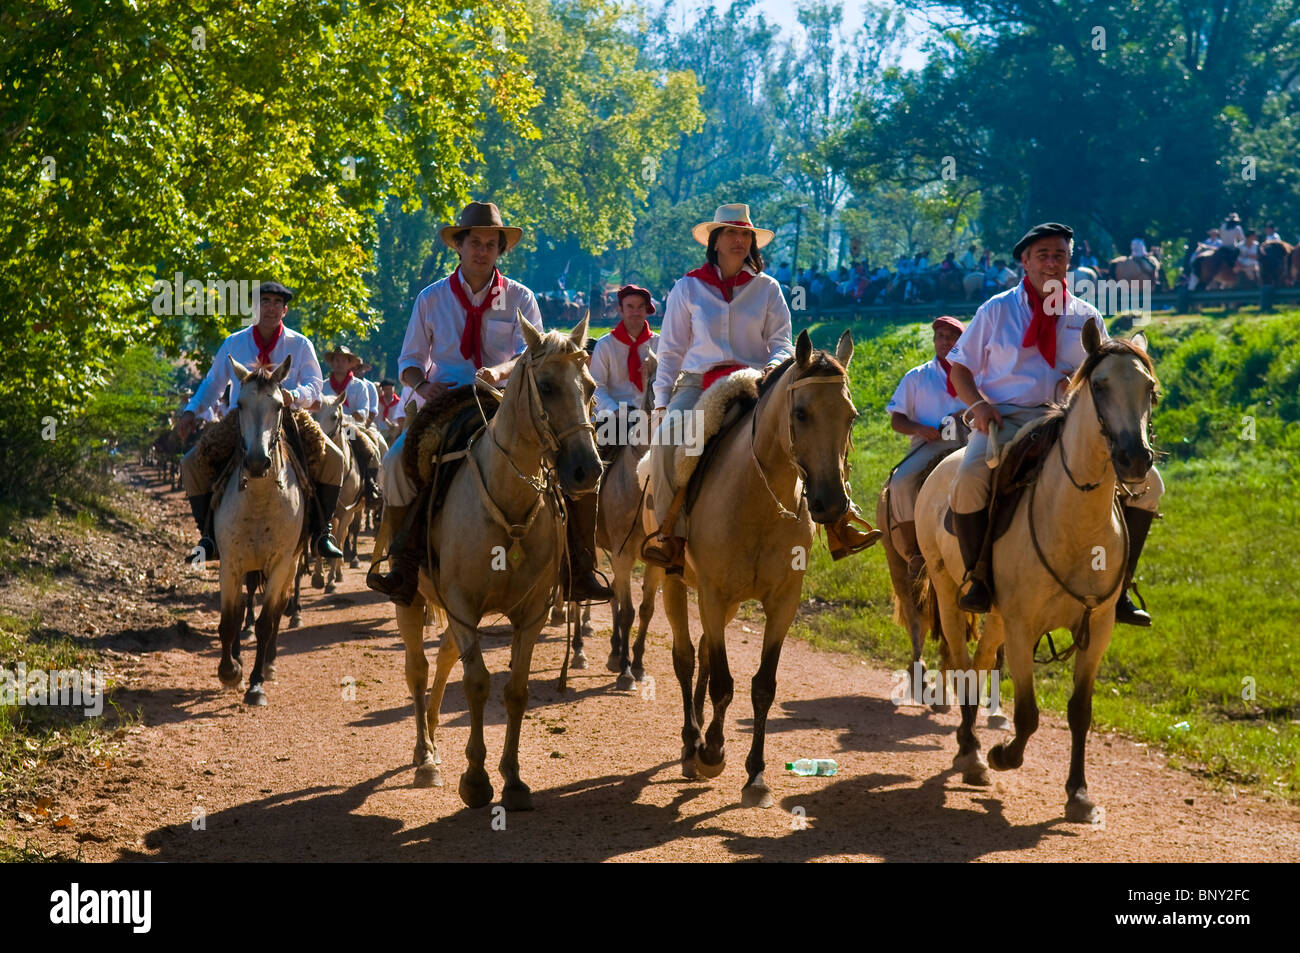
{"points": [[939, 709], [317, 581], [475, 789], [269, 672], [355, 564], [999, 760], [756, 795], [295, 620], [256, 697], [558, 617], [614, 663], [248, 634], [710, 770], [428, 776], [579, 660], [587, 631], [625, 682], [1080, 810], [231, 677], [973, 769], [638, 672], [1000, 723], [688, 764], [517, 797], [330, 587]]}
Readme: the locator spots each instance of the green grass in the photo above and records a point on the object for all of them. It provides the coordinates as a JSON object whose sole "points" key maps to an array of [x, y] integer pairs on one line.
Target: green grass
{"points": [[1218, 570]]}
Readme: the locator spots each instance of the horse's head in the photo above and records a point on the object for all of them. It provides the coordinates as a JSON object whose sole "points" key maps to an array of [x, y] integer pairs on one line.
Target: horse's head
{"points": [[1121, 383], [552, 374], [820, 415], [260, 407], [330, 414]]}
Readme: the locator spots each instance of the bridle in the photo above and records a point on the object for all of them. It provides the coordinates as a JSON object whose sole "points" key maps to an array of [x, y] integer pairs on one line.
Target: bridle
{"points": [[790, 453], [1106, 434], [273, 445]]}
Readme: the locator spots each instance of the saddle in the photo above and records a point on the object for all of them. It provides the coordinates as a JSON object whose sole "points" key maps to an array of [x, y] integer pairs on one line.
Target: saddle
{"points": [[442, 427], [1020, 466]]}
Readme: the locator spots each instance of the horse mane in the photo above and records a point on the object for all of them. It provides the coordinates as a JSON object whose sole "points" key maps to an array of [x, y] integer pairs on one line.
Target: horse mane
{"points": [[821, 364], [1106, 349]]}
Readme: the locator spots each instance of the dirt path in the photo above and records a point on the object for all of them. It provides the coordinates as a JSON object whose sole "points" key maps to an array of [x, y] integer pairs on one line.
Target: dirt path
{"points": [[319, 777]]}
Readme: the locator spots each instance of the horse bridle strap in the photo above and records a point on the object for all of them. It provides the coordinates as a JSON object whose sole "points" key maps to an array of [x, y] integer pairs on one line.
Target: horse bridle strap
{"points": [[516, 531]]}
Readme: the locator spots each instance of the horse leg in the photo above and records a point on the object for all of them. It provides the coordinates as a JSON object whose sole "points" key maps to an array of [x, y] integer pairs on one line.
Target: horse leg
{"points": [[515, 796], [579, 653], [623, 615], [702, 682], [649, 584], [1078, 806], [446, 659], [713, 620], [317, 574], [267, 624], [295, 604], [250, 617], [1019, 648], [683, 667], [475, 788], [229, 670], [779, 613], [957, 664], [988, 663], [410, 623]]}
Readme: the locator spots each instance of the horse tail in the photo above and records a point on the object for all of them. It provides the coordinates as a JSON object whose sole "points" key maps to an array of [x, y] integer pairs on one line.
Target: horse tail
{"points": [[926, 596]]}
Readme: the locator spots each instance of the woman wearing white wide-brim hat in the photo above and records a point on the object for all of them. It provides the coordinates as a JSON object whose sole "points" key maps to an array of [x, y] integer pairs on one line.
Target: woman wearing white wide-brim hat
{"points": [[719, 318]]}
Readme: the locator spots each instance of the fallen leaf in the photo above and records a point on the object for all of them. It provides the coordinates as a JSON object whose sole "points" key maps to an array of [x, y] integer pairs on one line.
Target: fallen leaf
{"points": [[65, 821]]}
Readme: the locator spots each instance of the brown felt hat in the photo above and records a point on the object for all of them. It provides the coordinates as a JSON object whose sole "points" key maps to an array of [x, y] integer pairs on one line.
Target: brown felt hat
{"points": [[481, 215], [343, 349]]}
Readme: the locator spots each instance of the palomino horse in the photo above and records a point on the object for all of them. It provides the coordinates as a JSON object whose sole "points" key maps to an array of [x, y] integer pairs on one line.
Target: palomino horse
{"points": [[779, 469], [336, 424], [496, 544], [619, 532], [1126, 269], [258, 525], [1061, 562]]}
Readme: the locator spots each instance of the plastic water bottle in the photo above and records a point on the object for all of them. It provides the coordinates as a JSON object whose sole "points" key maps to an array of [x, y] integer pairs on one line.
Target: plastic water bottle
{"points": [[808, 767]]}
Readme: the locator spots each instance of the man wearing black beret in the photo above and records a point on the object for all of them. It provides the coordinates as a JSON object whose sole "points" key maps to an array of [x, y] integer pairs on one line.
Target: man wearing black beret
{"points": [[1013, 361]]}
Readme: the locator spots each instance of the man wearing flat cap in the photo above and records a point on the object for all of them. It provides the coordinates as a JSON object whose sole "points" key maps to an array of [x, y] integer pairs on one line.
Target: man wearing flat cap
{"points": [[464, 327], [266, 343], [1014, 359]]}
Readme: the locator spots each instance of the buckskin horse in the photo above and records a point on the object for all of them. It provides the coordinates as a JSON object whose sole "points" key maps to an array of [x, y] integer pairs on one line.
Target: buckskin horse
{"points": [[496, 543], [779, 469], [258, 525], [1061, 562]]}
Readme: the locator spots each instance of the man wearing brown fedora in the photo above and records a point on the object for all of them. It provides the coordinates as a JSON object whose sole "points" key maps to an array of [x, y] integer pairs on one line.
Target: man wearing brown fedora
{"points": [[463, 327], [343, 379]]}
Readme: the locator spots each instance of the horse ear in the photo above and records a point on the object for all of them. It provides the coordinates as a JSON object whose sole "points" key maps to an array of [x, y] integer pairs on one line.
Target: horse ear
{"points": [[1091, 336], [240, 370], [844, 350], [579, 334], [531, 336], [803, 349], [281, 372], [1139, 341]]}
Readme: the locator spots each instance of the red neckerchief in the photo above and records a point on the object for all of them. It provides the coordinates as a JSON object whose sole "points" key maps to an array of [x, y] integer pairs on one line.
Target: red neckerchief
{"points": [[387, 406], [722, 370], [340, 388], [471, 339], [633, 351], [947, 369], [1042, 329], [264, 350], [709, 275]]}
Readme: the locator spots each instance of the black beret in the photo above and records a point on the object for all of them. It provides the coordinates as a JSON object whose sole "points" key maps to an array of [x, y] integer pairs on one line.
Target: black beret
{"points": [[1046, 230], [275, 288]]}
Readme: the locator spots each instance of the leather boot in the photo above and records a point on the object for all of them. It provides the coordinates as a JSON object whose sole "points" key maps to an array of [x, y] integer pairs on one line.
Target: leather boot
{"points": [[1139, 524], [327, 500], [201, 507], [971, 529], [581, 582], [911, 550], [405, 554], [366, 464], [844, 539], [667, 552]]}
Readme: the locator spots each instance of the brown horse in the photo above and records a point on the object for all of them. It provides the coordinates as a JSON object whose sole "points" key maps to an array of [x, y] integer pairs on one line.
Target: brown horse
{"points": [[1125, 268], [1275, 263], [1061, 563], [1213, 268], [496, 544], [781, 468]]}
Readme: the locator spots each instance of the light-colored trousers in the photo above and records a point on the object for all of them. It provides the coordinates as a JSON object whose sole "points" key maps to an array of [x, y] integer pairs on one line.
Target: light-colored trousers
{"points": [[973, 482], [397, 486], [905, 484], [669, 436]]}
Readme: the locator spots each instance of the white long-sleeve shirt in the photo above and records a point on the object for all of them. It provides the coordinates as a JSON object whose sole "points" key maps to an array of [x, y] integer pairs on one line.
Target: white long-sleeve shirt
{"points": [[303, 381], [433, 334], [372, 396], [357, 402], [1004, 371], [701, 330], [609, 370]]}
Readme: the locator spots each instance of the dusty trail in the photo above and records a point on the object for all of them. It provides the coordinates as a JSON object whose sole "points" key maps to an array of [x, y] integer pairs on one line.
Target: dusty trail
{"points": [[317, 776]]}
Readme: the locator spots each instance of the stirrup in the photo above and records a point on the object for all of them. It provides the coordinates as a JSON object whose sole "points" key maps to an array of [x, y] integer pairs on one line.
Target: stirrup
{"points": [[666, 552], [840, 536]]}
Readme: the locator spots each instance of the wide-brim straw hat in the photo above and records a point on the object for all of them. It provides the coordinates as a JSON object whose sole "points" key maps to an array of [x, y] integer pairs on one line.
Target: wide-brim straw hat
{"points": [[343, 349], [482, 215], [735, 216]]}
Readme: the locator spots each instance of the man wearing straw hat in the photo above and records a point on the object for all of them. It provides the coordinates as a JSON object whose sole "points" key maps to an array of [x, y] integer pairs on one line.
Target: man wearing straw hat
{"points": [[356, 406], [464, 327]]}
